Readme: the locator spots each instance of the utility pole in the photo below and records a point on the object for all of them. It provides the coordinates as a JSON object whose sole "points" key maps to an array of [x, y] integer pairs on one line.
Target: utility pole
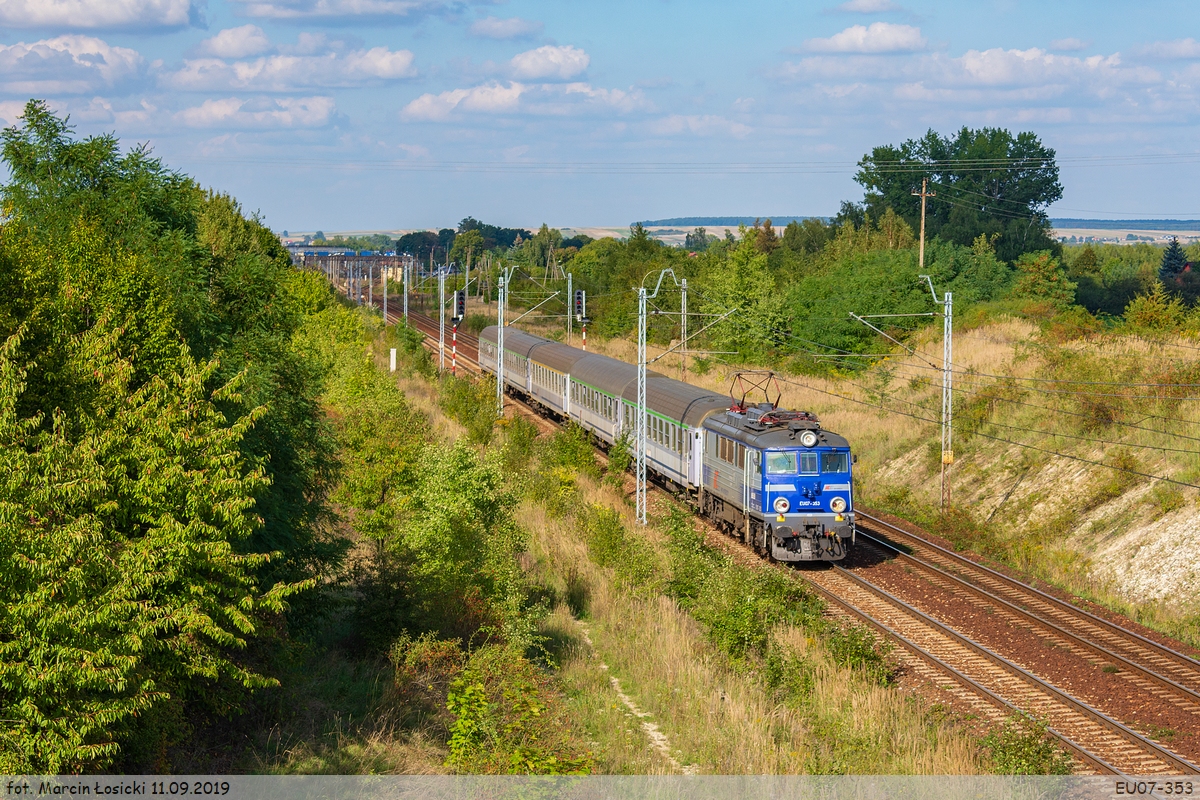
{"points": [[385, 273], [947, 395], [947, 387], [406, 271], [442, 318], [683, 331], [502, 279], [570, 308], [371, 284], [924, 194], [640, 425]]}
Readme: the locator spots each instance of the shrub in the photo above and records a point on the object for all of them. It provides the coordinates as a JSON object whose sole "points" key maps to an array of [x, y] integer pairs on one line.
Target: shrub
{"points": [[509, 720], [472, 403], [611, 545], [1041, 278], [1024, 747]]}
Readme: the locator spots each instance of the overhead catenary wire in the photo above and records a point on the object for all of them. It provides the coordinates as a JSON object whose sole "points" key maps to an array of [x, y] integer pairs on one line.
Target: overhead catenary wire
{"points": [[1001, 439]]}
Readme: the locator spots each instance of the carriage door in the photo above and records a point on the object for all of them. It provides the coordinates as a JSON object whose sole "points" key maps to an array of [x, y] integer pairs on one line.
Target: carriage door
{"points": [[751, 479]]}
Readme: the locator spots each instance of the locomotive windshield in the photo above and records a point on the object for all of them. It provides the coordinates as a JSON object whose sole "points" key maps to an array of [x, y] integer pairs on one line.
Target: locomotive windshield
{"points": [[781, 463], [835, 462], [785, 463]]}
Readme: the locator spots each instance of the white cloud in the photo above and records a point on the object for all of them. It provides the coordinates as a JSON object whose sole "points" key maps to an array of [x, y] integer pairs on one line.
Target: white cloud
{"points": [[345, 9], [549, 62], [88, 14], [879, 37], [71, 64], [1050, 74], [1178, 48], [237, 112], [1069, 45], [869, 6], [248, 40], [511, 28], [699, 125], [284, 73], [10, 111], [489, 98], [545, 99]]}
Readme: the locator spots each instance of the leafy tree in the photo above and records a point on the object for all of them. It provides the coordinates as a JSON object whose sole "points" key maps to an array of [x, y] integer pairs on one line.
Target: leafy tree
{"points": [[1085, 263], [986, 180], [125, 577], [419, 243], [467, 246], [765, 239], [1156, 311], [1042, 278], [541, 248], [696, 241], [150, 329], [578, 241], [806, 237], [494, 236]]}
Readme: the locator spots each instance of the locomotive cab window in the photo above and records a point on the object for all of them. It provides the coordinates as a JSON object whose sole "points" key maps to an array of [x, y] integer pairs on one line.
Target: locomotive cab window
{"points": [[808, 463], [781, 463], [835, 462]]}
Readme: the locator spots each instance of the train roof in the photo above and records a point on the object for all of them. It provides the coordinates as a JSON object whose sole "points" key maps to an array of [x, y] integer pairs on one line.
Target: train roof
{"points": [[749, 429], [677, 400]]}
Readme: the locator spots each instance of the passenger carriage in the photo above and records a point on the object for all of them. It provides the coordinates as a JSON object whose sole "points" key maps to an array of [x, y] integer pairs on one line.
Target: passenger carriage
{"points": [[774, 478]]}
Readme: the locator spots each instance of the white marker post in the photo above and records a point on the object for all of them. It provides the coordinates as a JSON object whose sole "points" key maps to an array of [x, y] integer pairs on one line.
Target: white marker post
{"points": [[393, 360]]}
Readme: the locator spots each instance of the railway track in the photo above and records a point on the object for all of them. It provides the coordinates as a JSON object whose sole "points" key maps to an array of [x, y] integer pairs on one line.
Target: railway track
{"points": [[997, 685], [1171, 675]]}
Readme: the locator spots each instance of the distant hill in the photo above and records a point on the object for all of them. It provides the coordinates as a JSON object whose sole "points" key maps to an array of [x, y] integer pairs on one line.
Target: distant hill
{"points": [[1125, 224], [692, 222]]}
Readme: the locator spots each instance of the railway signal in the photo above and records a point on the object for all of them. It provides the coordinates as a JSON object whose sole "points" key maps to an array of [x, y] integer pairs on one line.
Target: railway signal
{"points": [[460, 313], [580, 304]]}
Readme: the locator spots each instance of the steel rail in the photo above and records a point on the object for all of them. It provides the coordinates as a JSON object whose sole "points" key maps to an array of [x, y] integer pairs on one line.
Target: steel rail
{"points": [[1162, 650], [1032, 617], [1119, 729], [1078, 750], [960, 677]]}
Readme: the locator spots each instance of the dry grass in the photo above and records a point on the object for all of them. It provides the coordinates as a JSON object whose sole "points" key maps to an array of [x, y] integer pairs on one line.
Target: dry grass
{"points": [[718, 719], [1059, 519]]}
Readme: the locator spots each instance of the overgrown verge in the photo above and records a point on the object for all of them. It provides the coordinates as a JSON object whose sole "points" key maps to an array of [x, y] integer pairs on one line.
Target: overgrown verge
{"points": [[738, 665]]}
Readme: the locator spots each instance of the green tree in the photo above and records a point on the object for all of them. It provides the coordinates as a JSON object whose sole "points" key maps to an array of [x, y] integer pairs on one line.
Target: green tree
{"points": [[986, 180], [1040, 277], [125, 578], [808, 236], [467, 246]]}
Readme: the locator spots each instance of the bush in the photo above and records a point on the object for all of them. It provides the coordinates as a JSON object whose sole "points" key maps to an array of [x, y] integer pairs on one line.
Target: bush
{"points": [[508, 720], [611, 545], [1024, 747], [472, 403]]}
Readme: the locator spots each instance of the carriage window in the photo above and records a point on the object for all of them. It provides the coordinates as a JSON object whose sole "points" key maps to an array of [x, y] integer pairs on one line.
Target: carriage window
{"points": [[835, 462], [808, 463], [781, 463]]}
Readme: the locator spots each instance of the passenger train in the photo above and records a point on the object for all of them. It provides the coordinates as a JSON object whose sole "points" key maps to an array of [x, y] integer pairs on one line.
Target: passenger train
{"points": [[774, 478]]}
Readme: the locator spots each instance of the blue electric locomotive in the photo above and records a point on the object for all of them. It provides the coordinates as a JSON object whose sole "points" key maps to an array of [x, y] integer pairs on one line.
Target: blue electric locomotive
{"points": [[774, 478]]}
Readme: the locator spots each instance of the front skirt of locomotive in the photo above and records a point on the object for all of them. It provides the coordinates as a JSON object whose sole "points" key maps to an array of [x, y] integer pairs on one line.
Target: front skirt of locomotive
{"points": [[810, 537]]}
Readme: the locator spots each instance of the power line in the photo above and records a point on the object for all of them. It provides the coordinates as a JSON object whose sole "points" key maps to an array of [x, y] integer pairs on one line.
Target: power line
{"points": [[998, 438]]}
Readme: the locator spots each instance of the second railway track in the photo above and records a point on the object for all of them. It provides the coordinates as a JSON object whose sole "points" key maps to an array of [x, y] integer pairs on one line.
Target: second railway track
{"points": [[1098, 741]]}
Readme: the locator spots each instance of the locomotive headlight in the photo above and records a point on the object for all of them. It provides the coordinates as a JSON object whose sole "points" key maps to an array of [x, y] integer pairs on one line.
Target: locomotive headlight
{"points": [[837, 505], [781, 505], [808, 439]]}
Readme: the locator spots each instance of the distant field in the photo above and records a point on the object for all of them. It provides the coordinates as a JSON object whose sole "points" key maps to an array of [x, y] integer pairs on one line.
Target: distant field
{"points": [[673, 231]]}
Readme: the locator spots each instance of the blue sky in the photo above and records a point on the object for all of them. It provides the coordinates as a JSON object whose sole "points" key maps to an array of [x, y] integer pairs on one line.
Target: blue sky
{"points": [[390, 114]]}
